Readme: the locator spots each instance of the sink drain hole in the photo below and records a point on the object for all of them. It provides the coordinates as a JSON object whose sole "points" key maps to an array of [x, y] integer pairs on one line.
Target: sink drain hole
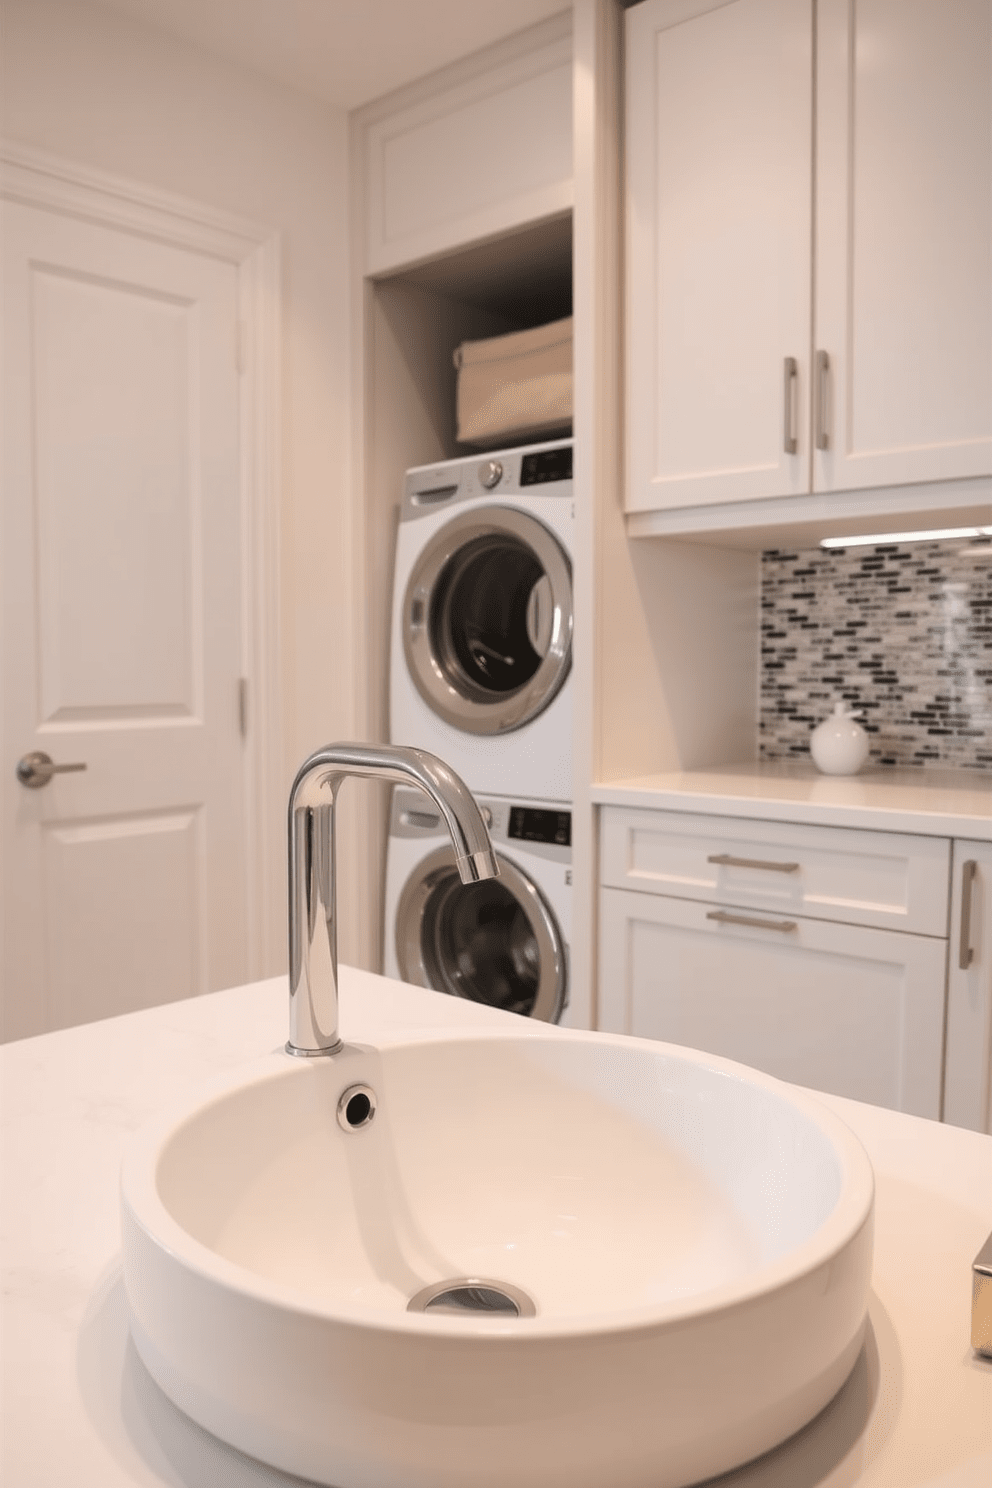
{"points": [[472, 1294], [356, 1107]]}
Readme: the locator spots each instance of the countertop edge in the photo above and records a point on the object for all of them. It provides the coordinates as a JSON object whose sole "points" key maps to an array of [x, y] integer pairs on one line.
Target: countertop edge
{"points": [[857, 802]]}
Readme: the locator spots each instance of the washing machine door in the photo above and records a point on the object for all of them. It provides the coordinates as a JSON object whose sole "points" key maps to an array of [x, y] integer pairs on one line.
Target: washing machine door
{"points": [[495, 942], [487, 620]]}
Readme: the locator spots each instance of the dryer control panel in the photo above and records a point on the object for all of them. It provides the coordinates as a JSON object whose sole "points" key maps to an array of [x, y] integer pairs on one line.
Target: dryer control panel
{"points": [[541, 466], [530, 472]]}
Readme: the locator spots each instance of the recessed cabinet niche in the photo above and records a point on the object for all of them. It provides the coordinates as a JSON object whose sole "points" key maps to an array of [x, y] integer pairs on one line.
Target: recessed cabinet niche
{"points": [[809, 241]]}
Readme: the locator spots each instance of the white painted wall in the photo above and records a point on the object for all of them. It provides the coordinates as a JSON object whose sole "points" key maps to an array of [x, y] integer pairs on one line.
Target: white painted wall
{"points": [[93, 87]]}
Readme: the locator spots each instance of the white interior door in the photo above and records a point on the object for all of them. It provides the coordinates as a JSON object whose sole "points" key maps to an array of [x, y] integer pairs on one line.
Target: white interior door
{"points": [[124, 885]]}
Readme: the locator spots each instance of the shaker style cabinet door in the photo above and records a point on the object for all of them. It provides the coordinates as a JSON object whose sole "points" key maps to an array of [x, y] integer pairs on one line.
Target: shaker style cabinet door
{"points": [[719, 160], [853, 1011], [968, 1073], [903, 293], [481, 150]]}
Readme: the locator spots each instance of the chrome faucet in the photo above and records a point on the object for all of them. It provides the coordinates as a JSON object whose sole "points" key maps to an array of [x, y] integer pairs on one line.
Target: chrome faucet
{"points": [[313, 950]]}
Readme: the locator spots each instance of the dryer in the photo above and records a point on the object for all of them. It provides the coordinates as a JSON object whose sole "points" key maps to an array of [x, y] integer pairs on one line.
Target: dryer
{"points": [[504, 942], [481, 641]]}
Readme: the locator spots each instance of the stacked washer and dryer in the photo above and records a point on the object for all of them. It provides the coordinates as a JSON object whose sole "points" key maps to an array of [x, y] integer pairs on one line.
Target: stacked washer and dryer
{"points": [[481, 652]]}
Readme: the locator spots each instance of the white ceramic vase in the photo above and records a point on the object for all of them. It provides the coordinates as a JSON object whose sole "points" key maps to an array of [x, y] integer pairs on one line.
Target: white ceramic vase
{"points": [[839, 745]]}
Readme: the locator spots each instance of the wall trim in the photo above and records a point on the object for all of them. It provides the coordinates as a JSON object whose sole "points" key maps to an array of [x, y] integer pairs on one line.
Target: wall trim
{"points": [[38, 179]]}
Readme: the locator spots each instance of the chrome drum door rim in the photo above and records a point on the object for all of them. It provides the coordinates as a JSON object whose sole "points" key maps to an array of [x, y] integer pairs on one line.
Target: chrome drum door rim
{"points": [[440, 681], [549, 1001]]}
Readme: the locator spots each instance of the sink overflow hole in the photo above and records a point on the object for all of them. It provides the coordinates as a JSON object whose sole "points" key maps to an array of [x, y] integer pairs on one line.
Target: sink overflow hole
{"points": [[471, 1294], [356, 1107]]}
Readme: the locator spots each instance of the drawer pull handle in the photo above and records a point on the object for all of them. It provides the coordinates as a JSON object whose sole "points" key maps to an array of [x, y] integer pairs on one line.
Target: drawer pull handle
{"points": [[822, 425], [791, 443], [965, 950], [725, 918], [725, 860]]}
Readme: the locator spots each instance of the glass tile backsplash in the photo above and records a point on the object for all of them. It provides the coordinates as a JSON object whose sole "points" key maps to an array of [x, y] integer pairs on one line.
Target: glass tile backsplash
{"points": [[901, 631]]}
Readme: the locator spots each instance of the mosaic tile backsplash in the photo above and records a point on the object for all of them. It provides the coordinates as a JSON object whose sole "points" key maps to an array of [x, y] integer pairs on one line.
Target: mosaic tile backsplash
{"points": [[902, 632]]}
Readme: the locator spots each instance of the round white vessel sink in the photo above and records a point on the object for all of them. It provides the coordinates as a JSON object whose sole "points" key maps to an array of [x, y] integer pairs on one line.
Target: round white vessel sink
{"points": [[569, 1259]]}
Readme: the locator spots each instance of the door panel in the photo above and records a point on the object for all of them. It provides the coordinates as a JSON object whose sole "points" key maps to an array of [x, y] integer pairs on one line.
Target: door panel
{"points": [[904, 240], [968, 1075], [719, 163], [853, 1011], [128, 896], [112, 408], [126, 884]]}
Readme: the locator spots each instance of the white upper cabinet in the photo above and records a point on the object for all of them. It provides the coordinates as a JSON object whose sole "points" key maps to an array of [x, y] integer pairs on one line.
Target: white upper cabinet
{"points": [[719, 150], [903, 305], [809, 241], [474, 151]]}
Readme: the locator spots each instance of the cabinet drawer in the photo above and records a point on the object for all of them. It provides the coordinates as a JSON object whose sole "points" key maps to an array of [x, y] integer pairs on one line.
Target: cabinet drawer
{"points": [[886, 879], [842, 1008]]}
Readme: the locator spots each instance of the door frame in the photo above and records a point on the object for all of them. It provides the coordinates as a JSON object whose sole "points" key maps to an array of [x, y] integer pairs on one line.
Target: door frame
{"points": [[37, 179]]}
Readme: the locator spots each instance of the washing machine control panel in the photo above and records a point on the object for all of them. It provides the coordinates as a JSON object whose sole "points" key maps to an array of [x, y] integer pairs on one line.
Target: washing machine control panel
{"points": [[539, 470], [542, 830], [490, 473], [540, 824], [541, 466]]}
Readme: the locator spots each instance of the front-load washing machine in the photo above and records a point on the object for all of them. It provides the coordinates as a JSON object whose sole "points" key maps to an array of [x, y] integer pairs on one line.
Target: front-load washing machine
{"points": [[481, 641], [503, 942]]}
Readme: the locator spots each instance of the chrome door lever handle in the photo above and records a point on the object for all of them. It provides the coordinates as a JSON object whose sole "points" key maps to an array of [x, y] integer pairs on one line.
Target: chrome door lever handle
{"points": [[37, 768]]}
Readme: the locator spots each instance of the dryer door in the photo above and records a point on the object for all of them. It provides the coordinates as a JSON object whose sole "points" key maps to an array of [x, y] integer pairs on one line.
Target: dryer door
{"points": [[495, 942], [487, 620]]}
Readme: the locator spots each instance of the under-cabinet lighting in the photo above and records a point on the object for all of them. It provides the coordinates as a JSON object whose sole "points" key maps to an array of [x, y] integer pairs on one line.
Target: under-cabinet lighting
{"points": [[878, 539]]}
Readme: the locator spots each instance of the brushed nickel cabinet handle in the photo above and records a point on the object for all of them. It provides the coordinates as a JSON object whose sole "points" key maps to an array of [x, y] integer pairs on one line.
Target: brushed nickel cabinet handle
{"points": [[723, 917], [822, 385], [726, 860], [965, 952], [36, 769], [981, 1301], [790, 380]]}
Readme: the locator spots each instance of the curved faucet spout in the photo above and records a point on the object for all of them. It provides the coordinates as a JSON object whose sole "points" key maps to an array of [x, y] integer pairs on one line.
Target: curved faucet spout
{"points": [[313, 953]]}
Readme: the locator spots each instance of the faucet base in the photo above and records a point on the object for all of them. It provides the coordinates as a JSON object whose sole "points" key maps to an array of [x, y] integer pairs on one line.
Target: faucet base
{"points": [[334, 1048]]}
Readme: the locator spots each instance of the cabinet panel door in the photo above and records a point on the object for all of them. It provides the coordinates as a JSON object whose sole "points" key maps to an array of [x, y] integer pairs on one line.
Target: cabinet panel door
{"points": [[904, 240], [490, 151], [968, 1074], [719, 154], [840, 1008]]}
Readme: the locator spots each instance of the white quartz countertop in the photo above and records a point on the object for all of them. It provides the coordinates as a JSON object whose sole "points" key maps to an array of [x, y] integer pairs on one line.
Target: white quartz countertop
{"points": [[79, 1410], [937, 803]]}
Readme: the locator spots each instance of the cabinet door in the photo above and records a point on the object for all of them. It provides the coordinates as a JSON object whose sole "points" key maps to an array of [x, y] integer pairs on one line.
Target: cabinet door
{"points": [[719, 153], [841, 1008], [903, 305], [968, 1071], [483, 149]]}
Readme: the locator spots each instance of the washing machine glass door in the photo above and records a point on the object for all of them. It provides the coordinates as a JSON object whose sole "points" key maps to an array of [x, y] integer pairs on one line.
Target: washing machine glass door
{"points": [[487, 620], [495, 942]]}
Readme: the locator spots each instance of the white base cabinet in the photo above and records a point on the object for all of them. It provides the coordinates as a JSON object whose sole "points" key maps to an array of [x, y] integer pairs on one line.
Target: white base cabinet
{"points": [[853, 1011], [770, 943], [968, 1079]]}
